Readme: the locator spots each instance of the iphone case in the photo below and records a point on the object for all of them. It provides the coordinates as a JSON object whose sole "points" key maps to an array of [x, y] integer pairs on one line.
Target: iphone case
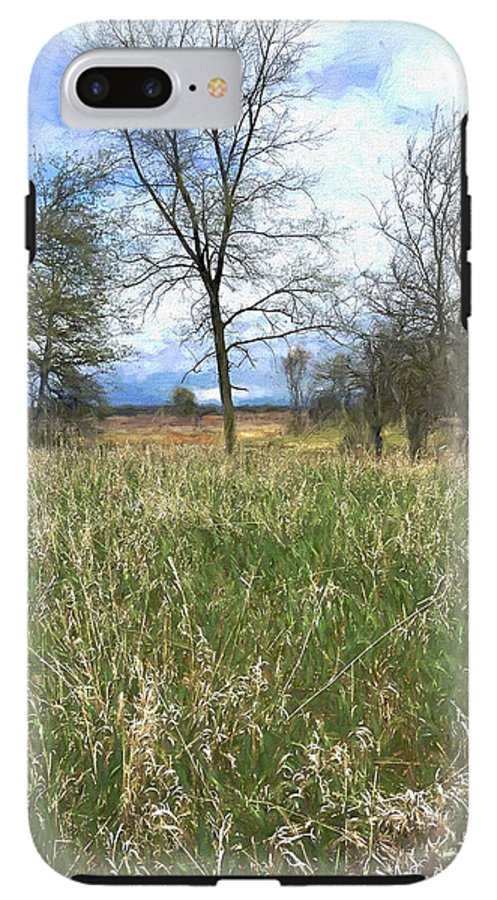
{"points": [[248, 466]]}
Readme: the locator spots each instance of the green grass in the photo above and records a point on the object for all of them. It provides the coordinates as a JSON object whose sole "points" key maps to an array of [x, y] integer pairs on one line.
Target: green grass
{"points": [[195, 704]]}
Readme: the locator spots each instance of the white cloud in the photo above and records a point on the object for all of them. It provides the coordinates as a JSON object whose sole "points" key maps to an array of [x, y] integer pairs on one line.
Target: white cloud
{"points": [[208, 395], [426, 73]]}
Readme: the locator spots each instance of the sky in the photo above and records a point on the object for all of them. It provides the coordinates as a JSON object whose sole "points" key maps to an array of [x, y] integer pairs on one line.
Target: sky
{"points": [[377, 84]]}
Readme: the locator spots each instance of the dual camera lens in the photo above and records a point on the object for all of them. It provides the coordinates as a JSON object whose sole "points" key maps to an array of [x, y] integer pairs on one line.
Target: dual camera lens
{"points": [[124, 87]]}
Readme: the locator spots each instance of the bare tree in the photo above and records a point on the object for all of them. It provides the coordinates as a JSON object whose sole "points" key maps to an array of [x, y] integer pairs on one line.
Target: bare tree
{"points": [[415, 299], [226, 218], [296, 365], [420, 288]]}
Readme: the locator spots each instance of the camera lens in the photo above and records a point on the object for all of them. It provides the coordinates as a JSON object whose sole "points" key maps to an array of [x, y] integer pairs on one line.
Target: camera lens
{"points": [[124, 87], [95, 87], [152, 88]]}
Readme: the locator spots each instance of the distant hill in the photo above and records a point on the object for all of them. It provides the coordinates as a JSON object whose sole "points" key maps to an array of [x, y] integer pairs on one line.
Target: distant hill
{"points": [[125, 388]]}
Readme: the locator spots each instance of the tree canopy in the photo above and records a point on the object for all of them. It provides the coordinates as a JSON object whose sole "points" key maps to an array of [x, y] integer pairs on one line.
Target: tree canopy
{"points": [[73, 305]]}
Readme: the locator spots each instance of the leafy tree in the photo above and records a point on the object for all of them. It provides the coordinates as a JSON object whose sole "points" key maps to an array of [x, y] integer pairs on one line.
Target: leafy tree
{"points": [[419, 384], [183, 402], [71, 294]]}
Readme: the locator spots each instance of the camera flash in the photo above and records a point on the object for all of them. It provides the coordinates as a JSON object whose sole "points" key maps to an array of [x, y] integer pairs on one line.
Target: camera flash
{"points": [[217, 87]]}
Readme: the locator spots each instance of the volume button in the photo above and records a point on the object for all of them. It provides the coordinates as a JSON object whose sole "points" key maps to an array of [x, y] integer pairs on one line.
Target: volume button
{"points": [[30, 222], [468, 226], [465, 293]]}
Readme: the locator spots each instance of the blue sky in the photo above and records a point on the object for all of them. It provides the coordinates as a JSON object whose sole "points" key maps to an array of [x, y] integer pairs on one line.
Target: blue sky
{"points": [[378, 84]]}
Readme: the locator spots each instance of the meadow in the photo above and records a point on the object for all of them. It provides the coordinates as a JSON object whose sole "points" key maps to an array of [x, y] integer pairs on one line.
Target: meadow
{"points": [[246, 665]]}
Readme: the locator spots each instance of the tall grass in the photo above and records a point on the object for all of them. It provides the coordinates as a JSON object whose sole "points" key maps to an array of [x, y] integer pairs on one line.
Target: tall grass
{"points": [[246, 666]]}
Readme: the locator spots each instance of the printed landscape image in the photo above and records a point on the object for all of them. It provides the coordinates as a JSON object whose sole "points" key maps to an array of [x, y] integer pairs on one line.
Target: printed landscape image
{"points": [[248, 441]]}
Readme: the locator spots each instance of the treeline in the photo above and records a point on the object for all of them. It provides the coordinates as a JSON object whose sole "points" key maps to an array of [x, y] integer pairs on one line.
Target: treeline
{"points": [[387, 380], [204, 409], [405, 357]]}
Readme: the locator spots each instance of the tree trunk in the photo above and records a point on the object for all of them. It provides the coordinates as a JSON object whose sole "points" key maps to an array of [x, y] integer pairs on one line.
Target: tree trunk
{"points": [[41, 395], [378, 440], [417, 430], [377, 424], [223, 375], [44, 372]]}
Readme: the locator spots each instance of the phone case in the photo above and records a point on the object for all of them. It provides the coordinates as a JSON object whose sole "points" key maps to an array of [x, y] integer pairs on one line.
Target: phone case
{"points": [[248, 430]]}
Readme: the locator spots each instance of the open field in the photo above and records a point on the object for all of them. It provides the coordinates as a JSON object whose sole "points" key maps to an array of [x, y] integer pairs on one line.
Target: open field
{"points": [[269, 429], [166, 428], [249, 665]]}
